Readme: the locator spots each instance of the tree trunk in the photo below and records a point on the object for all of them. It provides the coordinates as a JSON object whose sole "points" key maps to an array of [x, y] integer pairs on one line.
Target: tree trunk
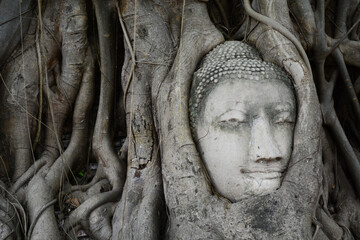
{"points": [[95, 138]]}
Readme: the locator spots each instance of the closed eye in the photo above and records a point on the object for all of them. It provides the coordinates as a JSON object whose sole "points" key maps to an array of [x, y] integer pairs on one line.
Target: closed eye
{"points": [[231, 123], [233, 120], [284, 117], [232, 116]]}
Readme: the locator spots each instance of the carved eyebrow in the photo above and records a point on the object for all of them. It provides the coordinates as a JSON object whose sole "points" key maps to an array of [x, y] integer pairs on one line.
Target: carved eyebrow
{"points": [[236, 111], [282, 107], [233, 102]]}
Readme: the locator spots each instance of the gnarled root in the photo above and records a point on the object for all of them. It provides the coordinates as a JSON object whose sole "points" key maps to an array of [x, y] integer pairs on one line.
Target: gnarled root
{"points": [[9, 218]]}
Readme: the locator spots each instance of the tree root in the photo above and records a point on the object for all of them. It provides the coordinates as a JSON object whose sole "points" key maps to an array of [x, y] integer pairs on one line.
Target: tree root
{"points": [[102, 143], [278, 27], [31, 228], [50, 178], [25, 177], [82, 213], [157, 71], [99, 175], [8, 216], [326, 91]]}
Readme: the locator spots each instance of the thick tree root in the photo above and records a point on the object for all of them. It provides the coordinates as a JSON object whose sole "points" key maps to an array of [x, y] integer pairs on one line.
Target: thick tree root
{"points": [[9, 219], [164, 41]]}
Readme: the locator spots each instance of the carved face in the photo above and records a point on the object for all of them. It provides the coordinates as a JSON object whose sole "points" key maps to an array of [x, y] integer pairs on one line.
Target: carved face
{"points": [[245, 135]]}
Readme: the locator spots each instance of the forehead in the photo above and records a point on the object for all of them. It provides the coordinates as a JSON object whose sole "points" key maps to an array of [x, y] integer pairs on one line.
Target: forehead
{"points": [[249, 94]]}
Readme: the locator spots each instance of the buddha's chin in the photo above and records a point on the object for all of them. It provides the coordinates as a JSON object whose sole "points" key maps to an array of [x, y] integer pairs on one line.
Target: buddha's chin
{"points": [[251, 187]]}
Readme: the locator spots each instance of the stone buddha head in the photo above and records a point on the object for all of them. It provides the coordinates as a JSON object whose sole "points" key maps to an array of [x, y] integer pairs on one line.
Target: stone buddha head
{"points": [[242, 116]]}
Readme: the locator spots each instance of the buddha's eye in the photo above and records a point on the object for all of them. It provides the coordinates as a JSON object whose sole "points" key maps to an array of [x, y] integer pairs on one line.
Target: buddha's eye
{"points": [[231, 123], [232, 119], [283, 118]]}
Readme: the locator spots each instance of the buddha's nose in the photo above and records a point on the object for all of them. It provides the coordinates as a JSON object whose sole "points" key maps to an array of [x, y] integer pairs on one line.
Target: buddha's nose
{"points": [[263, 146]]}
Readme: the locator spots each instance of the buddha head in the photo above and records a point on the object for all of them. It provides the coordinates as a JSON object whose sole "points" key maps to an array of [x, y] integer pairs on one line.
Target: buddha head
{"points": [[242, 116]]}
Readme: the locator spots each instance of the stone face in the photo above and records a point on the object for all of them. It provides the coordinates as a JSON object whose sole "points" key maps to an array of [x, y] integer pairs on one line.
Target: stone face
{"points": [[244, 127], [235, 60]]}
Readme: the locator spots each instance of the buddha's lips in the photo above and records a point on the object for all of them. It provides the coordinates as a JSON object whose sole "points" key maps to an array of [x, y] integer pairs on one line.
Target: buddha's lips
{"points": [[264, 174]]}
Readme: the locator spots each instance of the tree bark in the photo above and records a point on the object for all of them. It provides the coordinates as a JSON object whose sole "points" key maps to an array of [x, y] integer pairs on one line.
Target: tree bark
{"points": [[95, 139]]}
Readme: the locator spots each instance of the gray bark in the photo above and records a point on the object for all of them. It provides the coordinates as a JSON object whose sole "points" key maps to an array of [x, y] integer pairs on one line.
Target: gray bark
{"points": [[106, 84]]}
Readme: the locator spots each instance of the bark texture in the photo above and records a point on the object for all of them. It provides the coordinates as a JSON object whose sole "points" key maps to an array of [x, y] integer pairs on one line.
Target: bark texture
{"points": [[95, 140]]}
